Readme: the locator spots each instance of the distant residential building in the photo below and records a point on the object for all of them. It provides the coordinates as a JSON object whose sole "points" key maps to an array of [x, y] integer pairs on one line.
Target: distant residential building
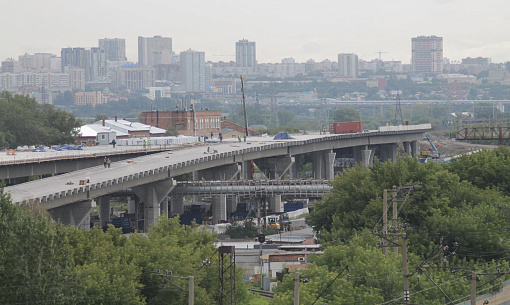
{"points": [[168, 72], [77, 77], [484, 61], [246, 53], [193, 71], [47, 80], [154, 51], [93, 61], [227, 87], [114, 48], [159, 92], [133, 77], [187, 122], [289, 60], [348, 65], [90, 98], [427, 55], [41, 62], [282, 70], [10, 66]]}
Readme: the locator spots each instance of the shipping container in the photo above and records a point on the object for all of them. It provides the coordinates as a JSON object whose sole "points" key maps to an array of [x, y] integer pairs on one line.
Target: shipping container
{"points": [[345, 127]]}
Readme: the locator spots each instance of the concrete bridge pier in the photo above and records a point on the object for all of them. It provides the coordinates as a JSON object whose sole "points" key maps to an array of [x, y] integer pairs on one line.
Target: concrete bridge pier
{"points": [[323, 164], [245, 173], [152, 195], [104, 210], [363, 155], [220, 173], [415, 149], [131, 205], [76, 214], [232, 204], [219, 209], [388, 152], [407, 148], [275, 204]]}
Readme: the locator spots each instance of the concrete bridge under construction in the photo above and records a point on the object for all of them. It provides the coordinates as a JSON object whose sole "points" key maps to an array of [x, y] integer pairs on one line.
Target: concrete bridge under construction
{"points": [[71, 196]]}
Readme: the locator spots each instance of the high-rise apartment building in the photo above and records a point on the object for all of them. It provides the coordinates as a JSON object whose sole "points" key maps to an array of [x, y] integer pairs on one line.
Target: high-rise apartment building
{"points": [[427, 52], [193, 71], [348, 65], [114, 48], [246, 54], [154, 51], [93, 61]]}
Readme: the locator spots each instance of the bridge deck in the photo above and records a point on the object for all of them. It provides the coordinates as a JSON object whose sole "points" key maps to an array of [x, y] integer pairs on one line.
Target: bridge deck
{"points": [[64, 189]]}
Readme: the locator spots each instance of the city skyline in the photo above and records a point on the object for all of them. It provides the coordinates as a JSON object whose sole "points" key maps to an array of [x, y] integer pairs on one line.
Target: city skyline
{"points": [[281, 30]]}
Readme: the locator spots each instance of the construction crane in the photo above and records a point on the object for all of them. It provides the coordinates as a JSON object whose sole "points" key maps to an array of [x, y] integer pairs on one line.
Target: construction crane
{"points": [[380, 52]]}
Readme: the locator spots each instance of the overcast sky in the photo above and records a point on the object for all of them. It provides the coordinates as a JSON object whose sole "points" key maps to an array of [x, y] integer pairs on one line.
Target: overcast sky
{"points": [[302, 29]]}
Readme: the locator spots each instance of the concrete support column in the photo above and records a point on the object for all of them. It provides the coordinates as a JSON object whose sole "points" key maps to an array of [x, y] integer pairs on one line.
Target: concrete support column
{"points": [[164, 206], [295, 169], [407, 148], [330, 165], [367, 157], [275, 204], [245, 170], [152, 195], [388, 152], [232, 204], [219, 209], [177, 204], [75, 214], [414, 149], [131, 205], [104, 210], [318, 165]]}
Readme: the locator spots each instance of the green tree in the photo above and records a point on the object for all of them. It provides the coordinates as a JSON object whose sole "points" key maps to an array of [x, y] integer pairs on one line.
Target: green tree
{"points": [[346, 115], [285, 117], [101, 116], [171, 131], [35, 260]]}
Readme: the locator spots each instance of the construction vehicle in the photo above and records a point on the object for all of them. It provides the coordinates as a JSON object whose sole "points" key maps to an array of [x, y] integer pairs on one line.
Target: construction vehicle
{"points": [[432, 152]]}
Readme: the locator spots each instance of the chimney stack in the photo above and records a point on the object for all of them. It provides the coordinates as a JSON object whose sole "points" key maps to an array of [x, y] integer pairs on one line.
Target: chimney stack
{"points": [[103, 122], [115, 118]]}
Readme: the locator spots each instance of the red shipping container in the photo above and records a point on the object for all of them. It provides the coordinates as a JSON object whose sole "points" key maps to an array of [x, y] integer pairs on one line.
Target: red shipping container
{"points": [[346, 127]]}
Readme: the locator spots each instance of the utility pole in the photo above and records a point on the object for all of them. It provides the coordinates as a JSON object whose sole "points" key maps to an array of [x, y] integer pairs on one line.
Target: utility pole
{"points": [[394, 222], [244, 107], [385, 223], [260, 244], [296, 288], [405, 271]]}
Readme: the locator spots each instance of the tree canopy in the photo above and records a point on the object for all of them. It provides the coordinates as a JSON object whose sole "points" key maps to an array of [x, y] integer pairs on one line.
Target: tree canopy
{"points": [[24, 122]]}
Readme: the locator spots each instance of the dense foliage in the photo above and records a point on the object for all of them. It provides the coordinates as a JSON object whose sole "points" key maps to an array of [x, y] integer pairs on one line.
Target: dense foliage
{"points": [[456, 214], [24, 122], [46, 263]]}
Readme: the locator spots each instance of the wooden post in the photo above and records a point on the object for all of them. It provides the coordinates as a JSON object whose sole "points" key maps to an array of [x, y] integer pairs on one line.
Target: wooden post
{"points": [[191, 291], [385, 223], [395, 236]]}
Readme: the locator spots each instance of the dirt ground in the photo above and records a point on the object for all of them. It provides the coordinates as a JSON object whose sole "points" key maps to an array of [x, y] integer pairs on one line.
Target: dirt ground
{"points": [[449, 148]]}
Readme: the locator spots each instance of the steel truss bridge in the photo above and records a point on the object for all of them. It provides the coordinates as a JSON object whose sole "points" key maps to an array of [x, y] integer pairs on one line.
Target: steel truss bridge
{"points": [[484, 133]]}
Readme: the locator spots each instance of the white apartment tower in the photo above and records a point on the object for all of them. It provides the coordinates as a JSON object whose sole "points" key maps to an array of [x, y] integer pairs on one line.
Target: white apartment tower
{"points": [[153, 51], [115, 48], [193, 71], [348, 65], [427, 52], [246, 54]]}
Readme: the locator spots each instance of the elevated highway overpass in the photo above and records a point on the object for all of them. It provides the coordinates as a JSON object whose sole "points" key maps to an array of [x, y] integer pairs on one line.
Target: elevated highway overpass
{"points": [[151, 177]]}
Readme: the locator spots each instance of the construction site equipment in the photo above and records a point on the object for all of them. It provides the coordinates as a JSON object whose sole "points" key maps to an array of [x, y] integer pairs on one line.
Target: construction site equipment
{"points": [[432, 152]]}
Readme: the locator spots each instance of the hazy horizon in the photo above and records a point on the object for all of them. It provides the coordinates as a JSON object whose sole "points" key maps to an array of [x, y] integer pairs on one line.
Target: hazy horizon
{"points": [[300, 29]]}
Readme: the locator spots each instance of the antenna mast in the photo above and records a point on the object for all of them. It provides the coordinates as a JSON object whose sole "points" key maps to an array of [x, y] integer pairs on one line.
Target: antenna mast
{"points": [[244, 107]]}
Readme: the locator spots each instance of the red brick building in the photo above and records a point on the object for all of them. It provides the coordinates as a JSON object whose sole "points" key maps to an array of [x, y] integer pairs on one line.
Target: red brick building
{"points": [[207, 121]]}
